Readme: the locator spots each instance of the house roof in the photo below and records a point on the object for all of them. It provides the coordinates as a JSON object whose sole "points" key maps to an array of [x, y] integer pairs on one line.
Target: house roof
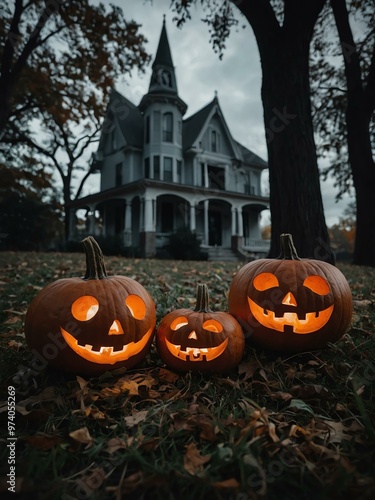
{"points": [[192, 126], [250, 157], [128, 117]]}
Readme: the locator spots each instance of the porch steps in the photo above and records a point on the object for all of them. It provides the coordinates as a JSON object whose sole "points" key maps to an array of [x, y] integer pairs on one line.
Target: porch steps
{"points": [[222, 254]]}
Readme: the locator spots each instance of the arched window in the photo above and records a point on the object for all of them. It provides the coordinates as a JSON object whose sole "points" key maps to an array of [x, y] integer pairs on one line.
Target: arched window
{"points": [[168, 127]]}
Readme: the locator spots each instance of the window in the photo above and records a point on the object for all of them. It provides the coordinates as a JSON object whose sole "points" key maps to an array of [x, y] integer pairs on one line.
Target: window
{"points": [[157, 167], [216, 177], [147, 138], [179, 171], [147, 168], [168, 127], [168, 169], [215, 139], [201, 181], [156, 126], [118, 180], [249, 189], [165, 78]]}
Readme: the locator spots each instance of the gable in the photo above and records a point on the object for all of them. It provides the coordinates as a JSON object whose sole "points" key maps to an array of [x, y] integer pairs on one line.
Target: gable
{"points": [[199, 128], [215, 137]]}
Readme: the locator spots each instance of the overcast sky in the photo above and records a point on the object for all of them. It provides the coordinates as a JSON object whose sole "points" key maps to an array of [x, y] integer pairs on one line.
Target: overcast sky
{"points": [[199, 72]]}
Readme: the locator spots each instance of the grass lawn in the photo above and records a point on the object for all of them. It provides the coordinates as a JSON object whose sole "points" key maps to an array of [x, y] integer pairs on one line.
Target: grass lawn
{"points": [[280, 426]]}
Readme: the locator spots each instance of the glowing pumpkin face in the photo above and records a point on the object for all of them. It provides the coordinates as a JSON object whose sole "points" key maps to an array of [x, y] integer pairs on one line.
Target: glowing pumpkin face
{"points": [[285, 313], [200, 339], [291, 304], [93, 324]]}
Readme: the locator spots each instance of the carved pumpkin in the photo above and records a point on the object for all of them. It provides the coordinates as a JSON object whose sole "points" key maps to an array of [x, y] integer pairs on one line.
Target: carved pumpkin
{"points": [[291, 304], [200, 339], [92, 324]]}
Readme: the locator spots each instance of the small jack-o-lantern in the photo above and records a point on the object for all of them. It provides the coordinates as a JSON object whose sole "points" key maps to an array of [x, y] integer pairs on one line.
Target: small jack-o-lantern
{"points": [[291, 304], [93, 324], [200, 339]]}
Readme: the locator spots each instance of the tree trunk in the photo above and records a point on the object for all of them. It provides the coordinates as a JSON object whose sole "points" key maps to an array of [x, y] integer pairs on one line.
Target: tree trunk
{"points": [[363, 171], [295, 198], [358, 114]]}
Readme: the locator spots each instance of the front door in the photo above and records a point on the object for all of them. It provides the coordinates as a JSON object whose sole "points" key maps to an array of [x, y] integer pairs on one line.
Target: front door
{"points": [[214, 228]]}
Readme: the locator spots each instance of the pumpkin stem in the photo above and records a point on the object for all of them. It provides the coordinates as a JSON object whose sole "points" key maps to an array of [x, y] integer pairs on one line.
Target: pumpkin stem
{"points": [[288, 250], [95, 268], [202, 299]]}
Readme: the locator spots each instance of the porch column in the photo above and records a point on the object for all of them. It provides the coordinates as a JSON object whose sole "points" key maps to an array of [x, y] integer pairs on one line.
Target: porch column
{"points": [[142, 215], [234, 221], [206, 206], [192, 217], [240, 223], [128, 224], [148, 215], [148, 235], [237, 229]]}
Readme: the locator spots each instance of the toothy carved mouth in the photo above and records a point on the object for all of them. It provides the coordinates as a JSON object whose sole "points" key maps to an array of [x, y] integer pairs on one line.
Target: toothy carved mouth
{"points": [[195, 353], [312, 322], [106, 355]]}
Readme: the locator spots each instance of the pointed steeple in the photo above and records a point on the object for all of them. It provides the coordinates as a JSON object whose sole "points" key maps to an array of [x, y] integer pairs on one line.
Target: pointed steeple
{"points": [[163, 54], [163, 79]]}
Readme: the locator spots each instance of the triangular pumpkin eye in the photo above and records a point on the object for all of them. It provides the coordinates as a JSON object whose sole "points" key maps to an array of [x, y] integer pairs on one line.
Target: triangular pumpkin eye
{"points": [[317, 284], [264, 281]]}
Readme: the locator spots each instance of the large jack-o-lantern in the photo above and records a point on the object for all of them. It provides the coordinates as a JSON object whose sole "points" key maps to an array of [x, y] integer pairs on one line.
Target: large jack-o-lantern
{"points": [[291, 304], [92, 324], [200, 339]]}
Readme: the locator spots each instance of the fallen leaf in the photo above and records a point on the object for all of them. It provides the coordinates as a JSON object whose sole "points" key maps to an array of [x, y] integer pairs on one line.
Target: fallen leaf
{"points": [[115, 444], [167, 375], [14, 343], [193, 460], [82, 436], [136, 418], [227, 483], [299, 405], [82, 384], [12, 320], [338, 432]]}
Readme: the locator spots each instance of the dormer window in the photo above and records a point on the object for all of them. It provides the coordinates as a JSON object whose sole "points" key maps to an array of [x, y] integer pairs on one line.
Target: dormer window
{"points": [[168, 127], [215, 141]]}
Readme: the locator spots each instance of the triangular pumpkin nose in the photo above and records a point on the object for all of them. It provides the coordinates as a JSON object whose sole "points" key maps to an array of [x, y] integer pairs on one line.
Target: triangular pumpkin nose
{"points": [[193, 335], [289, 300], [116, 328]]}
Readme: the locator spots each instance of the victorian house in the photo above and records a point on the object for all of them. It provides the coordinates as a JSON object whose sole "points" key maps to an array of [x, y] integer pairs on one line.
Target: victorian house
{"points": [[160, 172]]}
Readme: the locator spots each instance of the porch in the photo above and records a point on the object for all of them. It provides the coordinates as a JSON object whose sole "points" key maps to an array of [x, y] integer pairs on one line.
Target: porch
{"points": [[147, 221]]}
